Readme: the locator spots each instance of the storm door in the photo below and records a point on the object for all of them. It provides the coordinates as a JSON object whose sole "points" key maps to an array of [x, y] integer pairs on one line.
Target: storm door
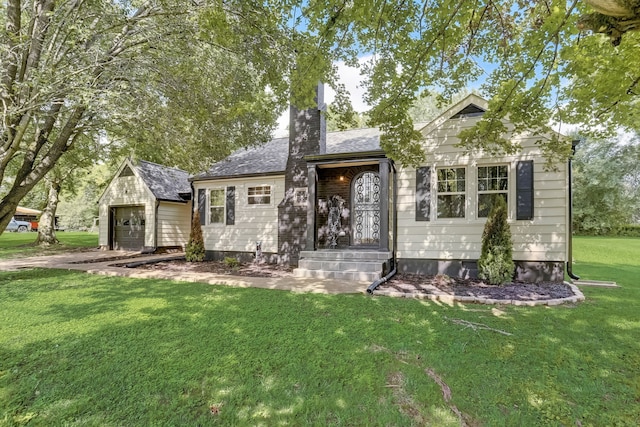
{"points": [[365, 193]]}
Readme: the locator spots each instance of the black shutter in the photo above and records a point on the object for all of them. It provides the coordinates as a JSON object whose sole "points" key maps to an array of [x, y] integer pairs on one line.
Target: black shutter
{"points": [[423, 193], [202, 205], [524, 189], [231, 205]]}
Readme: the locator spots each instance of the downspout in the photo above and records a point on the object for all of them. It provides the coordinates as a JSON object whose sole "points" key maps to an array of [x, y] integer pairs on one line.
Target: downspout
{"points": [[155, 228], [574, 144], [394, 228]]}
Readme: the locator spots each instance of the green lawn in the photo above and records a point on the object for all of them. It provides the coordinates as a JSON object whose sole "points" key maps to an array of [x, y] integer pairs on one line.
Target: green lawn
{"points": [[78, 349], [14, 245]]}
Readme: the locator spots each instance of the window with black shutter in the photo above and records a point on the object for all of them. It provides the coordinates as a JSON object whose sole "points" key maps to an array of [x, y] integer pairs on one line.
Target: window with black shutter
{"points": [[202, 205], [423, 193], [524, 190], [231, 205]]}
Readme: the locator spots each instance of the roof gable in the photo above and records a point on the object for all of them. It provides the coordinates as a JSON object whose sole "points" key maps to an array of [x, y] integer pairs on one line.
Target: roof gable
{"points": [[164, 183]]}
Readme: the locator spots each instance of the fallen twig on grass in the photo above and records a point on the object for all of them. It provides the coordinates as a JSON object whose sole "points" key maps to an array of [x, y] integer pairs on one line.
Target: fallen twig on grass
{"points": [[476, 326], [405, 402], [446, 393]]}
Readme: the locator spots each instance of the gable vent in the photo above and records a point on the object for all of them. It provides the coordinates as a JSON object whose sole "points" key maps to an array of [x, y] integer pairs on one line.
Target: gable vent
{"points": [[471, 110], [126, 172]]}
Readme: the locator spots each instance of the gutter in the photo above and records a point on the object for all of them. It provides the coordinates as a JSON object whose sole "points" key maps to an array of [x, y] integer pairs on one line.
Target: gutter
{"points": [[394, 262], [574, 144]]}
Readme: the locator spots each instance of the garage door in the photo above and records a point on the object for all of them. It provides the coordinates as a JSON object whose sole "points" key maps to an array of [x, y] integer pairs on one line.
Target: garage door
{"points": [[128, 228]]}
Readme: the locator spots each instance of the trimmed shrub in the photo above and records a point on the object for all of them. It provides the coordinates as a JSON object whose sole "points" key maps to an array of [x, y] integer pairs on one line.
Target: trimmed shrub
{"points": [[496, 257], [194, 252], [231, 262]]}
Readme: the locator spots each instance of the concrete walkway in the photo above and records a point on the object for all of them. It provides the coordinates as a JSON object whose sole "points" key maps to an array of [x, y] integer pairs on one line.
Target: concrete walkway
{"points": [[107, 263]]}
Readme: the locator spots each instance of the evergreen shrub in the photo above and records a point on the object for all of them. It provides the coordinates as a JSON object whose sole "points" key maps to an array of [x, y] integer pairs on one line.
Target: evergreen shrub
{"points": [[496, 257], [194, 252]]}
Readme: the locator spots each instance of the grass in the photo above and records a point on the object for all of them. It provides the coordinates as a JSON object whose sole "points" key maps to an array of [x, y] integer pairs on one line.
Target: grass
{"points": [[13, 245], [78, 349]]}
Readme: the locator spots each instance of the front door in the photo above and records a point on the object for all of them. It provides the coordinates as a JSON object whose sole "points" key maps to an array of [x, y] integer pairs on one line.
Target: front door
{"points": [[365, 194]]}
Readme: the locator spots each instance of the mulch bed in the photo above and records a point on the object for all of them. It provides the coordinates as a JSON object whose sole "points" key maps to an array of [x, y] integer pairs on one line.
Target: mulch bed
{"points": [[406, 283], [411, 283], [219, 267]]}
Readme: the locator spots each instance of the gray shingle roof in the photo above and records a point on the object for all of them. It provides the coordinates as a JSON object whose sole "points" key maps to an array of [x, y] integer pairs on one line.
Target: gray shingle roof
{"points": [[262, 159], [272, 156], [164, 182]]}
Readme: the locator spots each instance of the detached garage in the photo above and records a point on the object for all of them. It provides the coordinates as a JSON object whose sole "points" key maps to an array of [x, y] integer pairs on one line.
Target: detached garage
{"points": [[146, 207]]}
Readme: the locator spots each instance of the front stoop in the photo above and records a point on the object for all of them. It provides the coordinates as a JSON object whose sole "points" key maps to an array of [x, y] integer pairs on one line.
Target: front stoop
{"points": [[354, 265]]}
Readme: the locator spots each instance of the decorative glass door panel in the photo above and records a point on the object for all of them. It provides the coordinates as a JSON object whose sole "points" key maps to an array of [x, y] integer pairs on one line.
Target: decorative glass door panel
{"points": [[366, 209]]}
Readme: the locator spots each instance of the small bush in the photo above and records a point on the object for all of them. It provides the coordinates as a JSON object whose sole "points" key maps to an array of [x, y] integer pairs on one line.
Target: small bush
{"points": [[194, 252], [231, 262], [496, 260]]}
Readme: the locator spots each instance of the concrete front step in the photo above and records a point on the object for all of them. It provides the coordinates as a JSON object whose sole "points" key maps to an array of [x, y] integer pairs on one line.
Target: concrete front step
{"points": [[351, 255], [334, 265], [357, 276], [354, 265]]}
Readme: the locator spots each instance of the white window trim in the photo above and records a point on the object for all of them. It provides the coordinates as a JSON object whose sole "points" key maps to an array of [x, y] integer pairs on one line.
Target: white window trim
{"points": [[259, 205], [295, 200], [224, 206], [478, 192], [436, 193]]}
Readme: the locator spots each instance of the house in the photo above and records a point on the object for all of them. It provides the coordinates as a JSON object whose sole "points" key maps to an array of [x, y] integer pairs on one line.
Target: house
{"points": [[334, 205], [145, 207]]}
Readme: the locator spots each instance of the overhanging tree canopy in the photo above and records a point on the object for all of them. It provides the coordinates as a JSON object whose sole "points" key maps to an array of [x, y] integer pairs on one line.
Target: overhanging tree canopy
{"points": [[77, 66]]}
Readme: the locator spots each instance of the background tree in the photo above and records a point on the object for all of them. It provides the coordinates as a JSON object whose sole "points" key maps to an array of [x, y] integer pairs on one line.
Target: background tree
{"points": [[606, 182]]}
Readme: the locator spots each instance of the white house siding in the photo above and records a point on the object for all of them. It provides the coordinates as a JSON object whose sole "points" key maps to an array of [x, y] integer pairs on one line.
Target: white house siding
{"points": [[544, 238], [174, 224], [253, 223], [127, 191]]}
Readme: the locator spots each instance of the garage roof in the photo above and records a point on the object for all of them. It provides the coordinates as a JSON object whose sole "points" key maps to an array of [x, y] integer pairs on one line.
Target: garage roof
{"points": [[168, 184]]}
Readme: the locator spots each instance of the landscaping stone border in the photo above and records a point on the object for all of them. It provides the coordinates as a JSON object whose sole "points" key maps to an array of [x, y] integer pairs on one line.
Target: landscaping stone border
{"points": [[450, 299]]}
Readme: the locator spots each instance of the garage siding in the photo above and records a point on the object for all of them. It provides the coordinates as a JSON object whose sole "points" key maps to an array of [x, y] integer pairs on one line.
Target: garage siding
{"points": [[174, 224]]}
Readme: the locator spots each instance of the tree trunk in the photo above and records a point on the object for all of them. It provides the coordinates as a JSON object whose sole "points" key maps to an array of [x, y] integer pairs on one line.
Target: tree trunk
{"points": [[46, 225]]}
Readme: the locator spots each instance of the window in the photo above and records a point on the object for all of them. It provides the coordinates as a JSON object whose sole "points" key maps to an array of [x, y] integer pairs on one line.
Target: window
{"points": [[492, 181], [259, 195], [451, 193], [216, 206], [300, 196]]}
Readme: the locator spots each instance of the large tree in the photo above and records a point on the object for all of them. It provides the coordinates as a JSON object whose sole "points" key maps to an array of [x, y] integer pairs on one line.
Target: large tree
{"points": [[540, 62], [73, 68]]}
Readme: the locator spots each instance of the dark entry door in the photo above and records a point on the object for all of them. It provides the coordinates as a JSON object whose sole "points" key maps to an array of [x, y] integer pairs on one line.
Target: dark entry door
{"points": [[365, 192], [128, 228]]}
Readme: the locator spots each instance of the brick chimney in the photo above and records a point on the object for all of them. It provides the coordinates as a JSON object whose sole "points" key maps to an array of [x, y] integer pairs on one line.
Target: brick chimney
{"points": [[307, 136]]}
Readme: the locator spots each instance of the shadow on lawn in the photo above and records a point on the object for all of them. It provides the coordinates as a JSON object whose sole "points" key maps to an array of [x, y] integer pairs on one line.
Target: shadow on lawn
{"points": [[162, 352], [156, 352]]}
